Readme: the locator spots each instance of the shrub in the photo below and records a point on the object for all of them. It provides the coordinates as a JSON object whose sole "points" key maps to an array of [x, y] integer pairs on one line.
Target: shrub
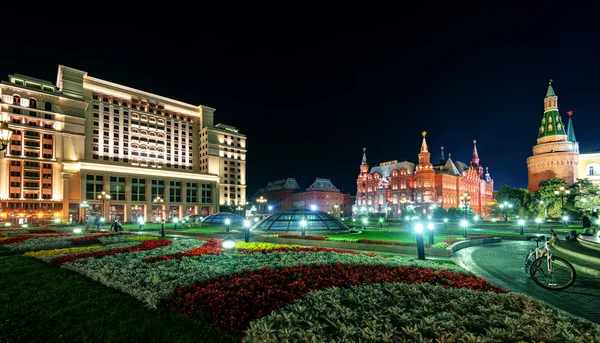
{"points": [[234, 300], [314, 238], [146, 245], [418, 313]]}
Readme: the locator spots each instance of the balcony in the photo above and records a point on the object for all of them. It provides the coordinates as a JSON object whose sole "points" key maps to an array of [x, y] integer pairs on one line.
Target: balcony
{"points": [[31, 177]]}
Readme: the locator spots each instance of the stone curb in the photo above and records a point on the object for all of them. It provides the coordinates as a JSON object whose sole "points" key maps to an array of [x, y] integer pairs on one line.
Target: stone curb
{"points": [[592, 259]]}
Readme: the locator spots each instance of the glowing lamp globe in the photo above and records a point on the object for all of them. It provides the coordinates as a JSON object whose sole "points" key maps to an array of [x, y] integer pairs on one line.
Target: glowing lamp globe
{"points": [[364, 221], [430, 226], [313, 207], [538, 220], [445, 220], [565, 218], [521, 222], [419, 228], [464, 223], [227, 221], [228, 243], [246, 223], [76, 230], [303, 223]]}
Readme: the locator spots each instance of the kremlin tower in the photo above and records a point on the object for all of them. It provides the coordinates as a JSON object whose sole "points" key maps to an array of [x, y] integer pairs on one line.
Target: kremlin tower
{"points": [[556, 153]]}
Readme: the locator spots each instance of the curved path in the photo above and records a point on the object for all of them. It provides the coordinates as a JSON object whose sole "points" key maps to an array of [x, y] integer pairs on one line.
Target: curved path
{"points": [[502, 264]]}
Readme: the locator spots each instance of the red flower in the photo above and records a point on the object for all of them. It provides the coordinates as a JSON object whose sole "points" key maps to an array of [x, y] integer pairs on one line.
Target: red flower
{"points": [[93, 239], [235, 300], [213, 246], [145, 245]]}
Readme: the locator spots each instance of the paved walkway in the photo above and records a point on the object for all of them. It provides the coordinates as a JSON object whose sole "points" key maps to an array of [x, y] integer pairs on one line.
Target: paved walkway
{"points": [[502, 264]]}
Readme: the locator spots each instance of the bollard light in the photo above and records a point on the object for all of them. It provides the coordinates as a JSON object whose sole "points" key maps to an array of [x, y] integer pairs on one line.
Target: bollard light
{"points": [[420, 244], [175, 221], [407, 217], [303, 226], [227, 222], [365, 221], [429, 217], [381, 222], [228, 243], [141, 222], [246, 231], [538, 221], [521, 224], [445, 223], [430, 227], [313, 207], [565, 218], [464, 224], [76, 230]]}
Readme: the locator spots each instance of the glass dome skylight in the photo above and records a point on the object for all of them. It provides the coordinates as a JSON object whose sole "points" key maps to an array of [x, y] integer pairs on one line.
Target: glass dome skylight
{"points": [[289, 220]]}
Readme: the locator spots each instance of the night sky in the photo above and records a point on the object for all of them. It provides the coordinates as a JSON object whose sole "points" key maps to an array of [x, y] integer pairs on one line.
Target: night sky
{"points": [[311, 86]]}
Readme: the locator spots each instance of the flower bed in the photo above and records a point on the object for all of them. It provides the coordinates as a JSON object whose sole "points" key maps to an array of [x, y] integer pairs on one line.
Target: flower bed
{"points": [[146, 245], [418, 313], [234, 300], [93, 239], [22, 238], [404, 244], [48, 255], [314, 238], [212, 247]]}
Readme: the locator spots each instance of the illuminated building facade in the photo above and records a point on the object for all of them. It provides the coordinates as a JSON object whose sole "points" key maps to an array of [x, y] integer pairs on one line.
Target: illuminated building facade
{"points": [[394, 186], [83, 136], [321, 195]]}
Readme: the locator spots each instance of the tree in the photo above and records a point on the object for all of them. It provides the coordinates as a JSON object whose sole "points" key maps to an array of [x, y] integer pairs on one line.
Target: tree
{"points": [[551, 202], [510, 201], [439, 212], [587, 197], [454, 213]]}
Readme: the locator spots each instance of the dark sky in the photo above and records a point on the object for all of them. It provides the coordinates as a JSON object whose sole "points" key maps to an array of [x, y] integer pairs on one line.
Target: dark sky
{"points": [[310, 86]]}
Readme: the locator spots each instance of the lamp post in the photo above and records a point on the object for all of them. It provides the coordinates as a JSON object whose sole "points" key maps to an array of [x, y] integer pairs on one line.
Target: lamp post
{"points": [[475, 220], [270, 208], [521, 225], [381, 223], [104, 197], [303, 226], [545, 209], [566, 220], [5, 134], [464, 223], [175, 221], [159, 201], [538, 221], [246, 231], [445, 223], [364, 220], [336, 211], [261, 201], [84, 205], [562, 192], [430, 228], [141, 222], [420, 245], [227, 223], [465, 198], [504, 207]]}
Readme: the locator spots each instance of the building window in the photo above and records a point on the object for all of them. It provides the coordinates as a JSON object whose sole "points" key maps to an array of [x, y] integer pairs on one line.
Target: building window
{"points": [[94, 185], [158, 188], [175, 191], [48, 106], [206, 193], [191, 190], [138, 189], [117, 188]]}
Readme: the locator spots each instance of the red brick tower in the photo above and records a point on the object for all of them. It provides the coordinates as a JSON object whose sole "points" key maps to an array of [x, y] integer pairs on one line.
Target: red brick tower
{"points": [[424, 175], [475, 160]]}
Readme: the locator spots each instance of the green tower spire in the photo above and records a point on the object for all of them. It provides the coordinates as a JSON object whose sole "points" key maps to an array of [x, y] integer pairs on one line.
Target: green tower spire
{"points": [[552, 124], [570, 129]]}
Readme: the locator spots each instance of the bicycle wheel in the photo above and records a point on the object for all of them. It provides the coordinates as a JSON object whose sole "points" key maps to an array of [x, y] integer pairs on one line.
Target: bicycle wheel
{"points": [[529, 258], [560, 277]]}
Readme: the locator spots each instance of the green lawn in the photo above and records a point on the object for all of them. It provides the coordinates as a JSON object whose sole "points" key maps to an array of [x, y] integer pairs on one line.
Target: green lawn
{"points": [[43, 303]]}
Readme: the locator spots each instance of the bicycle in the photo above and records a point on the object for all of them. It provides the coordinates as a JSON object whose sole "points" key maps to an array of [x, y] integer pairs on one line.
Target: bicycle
{"points": [[546, 270]]}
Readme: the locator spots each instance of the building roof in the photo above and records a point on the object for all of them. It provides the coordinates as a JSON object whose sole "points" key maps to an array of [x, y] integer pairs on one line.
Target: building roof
{"points": [[386, 171], [550, 91], [289, 183], [322, 184], [449, 167], [595, 151], [570, 130]]}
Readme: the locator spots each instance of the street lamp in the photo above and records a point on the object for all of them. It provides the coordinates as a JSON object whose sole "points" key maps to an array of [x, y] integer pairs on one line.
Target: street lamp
{"points": [[464, 223], [562, 192], [246, 231], [175, 221], [364, 220], [420, 245], [270, 207], [504, 207], [465, 198], [261, 201], [521, 224], [430, 228], [227, 223], [538, 221], [313, 207], [159, 201], [445, 223], [303, 226], [104, 197], [336, 211], [565, 219], [5, 134], [381, 223], [141, 222], [475, 220]]}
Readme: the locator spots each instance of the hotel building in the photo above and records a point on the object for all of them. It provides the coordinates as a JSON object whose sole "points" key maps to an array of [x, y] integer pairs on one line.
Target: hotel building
{"points": [[83, 137]]}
